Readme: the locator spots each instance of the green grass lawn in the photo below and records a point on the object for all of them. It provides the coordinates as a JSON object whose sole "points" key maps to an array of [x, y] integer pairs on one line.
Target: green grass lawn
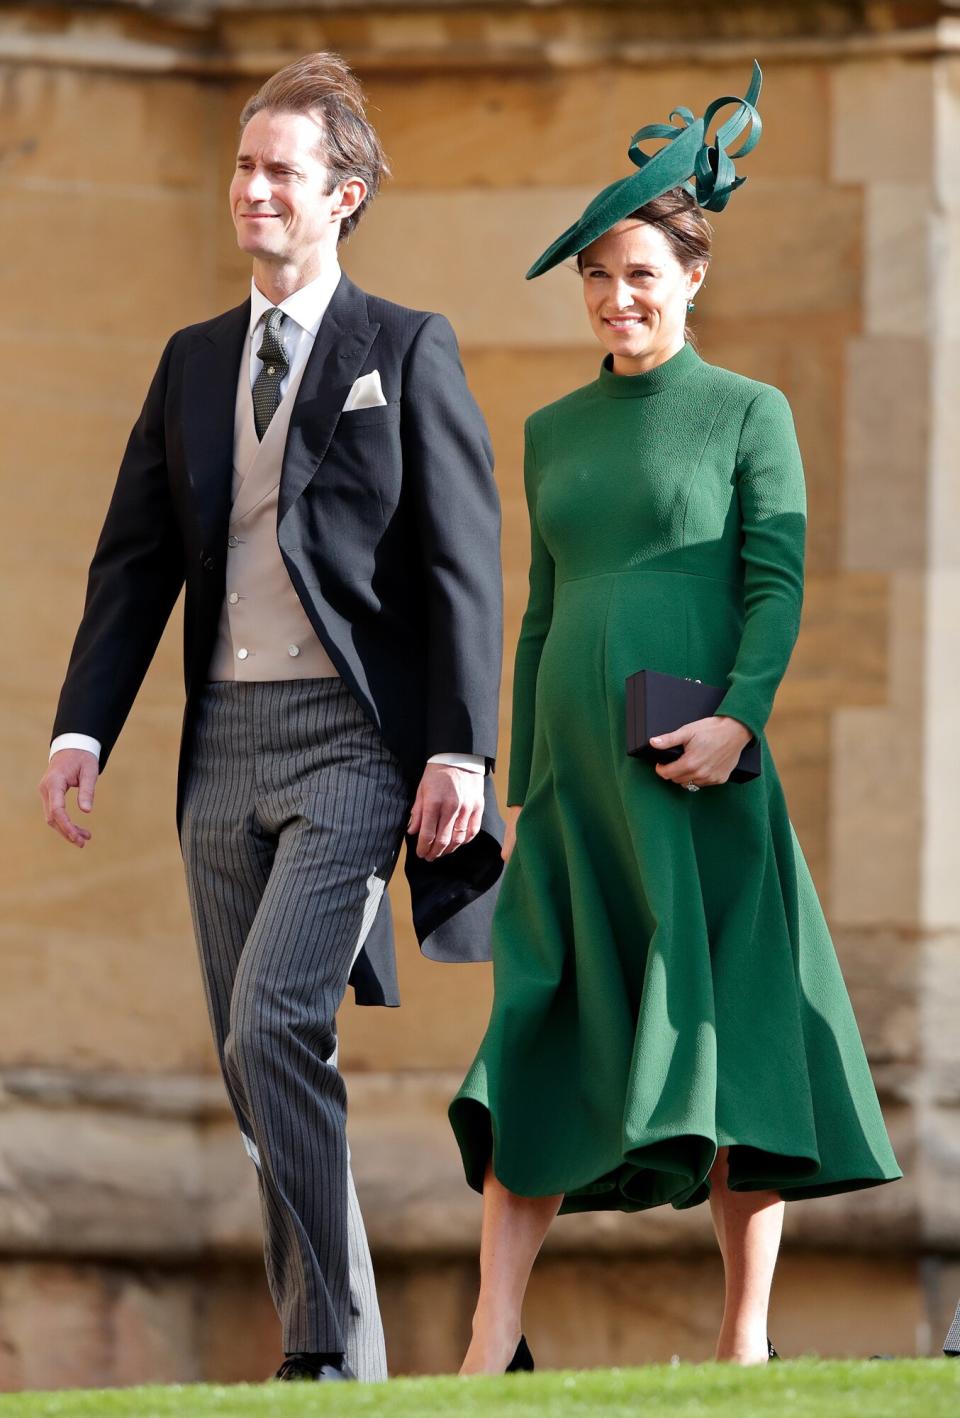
{"points": [[906, 1388]]}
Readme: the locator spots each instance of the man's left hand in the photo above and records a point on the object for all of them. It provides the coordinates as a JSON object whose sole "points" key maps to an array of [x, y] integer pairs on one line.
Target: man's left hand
{"points": [[447, 810]]}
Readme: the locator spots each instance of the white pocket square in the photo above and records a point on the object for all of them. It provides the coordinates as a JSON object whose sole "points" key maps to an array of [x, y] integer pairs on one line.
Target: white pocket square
{"points": [[366, 393]]}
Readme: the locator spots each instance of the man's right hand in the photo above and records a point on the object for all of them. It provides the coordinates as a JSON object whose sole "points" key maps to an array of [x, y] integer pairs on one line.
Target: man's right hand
{"points": [[70, 768]]}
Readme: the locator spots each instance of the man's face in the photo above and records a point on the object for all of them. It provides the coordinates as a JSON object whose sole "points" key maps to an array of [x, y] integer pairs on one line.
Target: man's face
{"points": [[279, 200]]}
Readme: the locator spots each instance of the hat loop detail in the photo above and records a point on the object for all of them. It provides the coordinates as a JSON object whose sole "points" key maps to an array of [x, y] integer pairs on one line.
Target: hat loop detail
{"points": [[687, 159], [714, 176]]}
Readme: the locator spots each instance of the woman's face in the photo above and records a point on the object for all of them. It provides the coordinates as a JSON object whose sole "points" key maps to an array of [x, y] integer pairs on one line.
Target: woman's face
{"points": [[636, 294]]}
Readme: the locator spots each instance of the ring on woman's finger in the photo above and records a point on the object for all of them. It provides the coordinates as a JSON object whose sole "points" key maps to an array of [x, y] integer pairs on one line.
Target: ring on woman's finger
{"points": [[692, 787]]}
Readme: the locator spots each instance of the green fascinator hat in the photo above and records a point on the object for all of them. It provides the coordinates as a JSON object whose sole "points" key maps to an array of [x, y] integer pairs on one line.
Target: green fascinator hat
{"points": [[686, 160]]}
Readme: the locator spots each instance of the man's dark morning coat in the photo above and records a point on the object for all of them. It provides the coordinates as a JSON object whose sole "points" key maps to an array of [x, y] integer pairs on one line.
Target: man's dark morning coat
{"points": [[388, 524]]}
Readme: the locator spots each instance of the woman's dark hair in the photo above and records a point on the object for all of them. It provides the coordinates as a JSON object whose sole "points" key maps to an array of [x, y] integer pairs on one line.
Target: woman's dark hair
{"points": [[680, 217], [325, 87]]}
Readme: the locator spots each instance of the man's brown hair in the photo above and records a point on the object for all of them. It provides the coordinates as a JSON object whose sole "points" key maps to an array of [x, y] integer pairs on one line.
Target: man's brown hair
{"points": [[323, 86]]}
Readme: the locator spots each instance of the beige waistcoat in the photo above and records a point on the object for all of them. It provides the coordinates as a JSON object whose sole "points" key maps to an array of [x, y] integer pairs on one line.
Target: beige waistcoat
{"points": [[264, 633]]}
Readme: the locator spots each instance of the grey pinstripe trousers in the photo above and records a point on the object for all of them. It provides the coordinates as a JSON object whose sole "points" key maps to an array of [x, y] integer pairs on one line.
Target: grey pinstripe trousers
{"points": [[293, 815]]}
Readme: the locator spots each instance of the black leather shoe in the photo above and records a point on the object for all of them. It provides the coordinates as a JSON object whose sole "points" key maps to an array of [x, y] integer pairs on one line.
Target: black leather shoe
{"points": [[771, 1352], [313, 1367], [522, 1361]]}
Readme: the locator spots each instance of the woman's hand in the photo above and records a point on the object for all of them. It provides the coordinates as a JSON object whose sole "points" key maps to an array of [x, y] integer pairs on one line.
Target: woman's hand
{"points": [[711, 748], [510, 815]]}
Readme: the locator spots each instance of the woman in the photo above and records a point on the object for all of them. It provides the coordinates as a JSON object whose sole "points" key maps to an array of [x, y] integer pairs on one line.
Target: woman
{"points": [[669, 1021]]}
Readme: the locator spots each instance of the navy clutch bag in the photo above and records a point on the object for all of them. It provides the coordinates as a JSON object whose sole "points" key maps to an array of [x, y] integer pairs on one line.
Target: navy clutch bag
{"points": [[658, 704]]}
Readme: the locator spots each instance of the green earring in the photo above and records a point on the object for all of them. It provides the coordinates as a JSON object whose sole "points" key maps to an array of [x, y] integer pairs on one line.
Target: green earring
{"points": [[691, 305]]}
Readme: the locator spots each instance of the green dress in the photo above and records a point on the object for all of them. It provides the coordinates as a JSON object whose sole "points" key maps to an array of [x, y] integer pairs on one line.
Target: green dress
{"points": [[665, 982]]}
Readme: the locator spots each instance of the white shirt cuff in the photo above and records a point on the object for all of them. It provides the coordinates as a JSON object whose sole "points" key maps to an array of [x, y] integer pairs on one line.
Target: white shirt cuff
{"points": [[83, 741], [474, 763]]}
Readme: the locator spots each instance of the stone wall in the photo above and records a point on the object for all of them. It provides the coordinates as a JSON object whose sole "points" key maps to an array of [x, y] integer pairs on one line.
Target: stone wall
{"points": [[127, 1210]]}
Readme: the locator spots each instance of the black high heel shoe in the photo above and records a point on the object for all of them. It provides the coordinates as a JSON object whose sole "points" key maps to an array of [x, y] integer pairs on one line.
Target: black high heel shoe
{"points": [[522, 1361], [771, 1352]]}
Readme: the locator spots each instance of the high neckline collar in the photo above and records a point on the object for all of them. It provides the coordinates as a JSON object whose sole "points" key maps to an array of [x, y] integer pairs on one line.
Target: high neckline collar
{"points": [[652, 381]]}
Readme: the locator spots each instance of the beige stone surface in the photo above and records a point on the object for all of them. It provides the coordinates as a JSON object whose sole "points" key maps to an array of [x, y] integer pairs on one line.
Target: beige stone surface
{"points": [[888, 447], [899, 296], [946, 105], [941, 885], [546, 129], [800, 744], [164, 228], [109, 138], [941, 881], [110, 1325], [882, 121], [880, 965], [808, 262], [162, 1176], [877, 832], [840, 656], [79, 1325], [875, 818]]}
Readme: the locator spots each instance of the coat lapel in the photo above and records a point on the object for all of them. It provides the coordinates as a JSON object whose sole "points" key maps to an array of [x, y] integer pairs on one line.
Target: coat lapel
{"points": [[209, 405], [338, 353]]}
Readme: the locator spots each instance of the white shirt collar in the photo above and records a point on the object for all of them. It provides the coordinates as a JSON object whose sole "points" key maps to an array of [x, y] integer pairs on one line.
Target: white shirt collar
{"points": [[306, 306]]}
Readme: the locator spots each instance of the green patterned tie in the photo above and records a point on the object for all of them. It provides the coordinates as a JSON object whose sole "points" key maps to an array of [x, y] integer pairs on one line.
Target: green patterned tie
{"points": [[273, 357]]}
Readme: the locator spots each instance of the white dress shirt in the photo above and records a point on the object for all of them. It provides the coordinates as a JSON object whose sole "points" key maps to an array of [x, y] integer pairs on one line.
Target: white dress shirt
{"points": [[304, 310]]}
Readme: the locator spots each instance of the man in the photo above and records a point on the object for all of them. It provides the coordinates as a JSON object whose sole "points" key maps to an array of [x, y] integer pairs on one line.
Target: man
{"points": [[313, 468]]}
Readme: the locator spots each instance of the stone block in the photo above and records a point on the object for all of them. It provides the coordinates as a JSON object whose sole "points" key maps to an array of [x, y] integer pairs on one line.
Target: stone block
{"points": [[238, 1334], [543, 129], [939, 1165], [448, 233], [84, 374], [584, 1313], [106, 135], [814, 384], [443, 1014], [900, 295], [412, 1300], [938, 989], [941, 750], [800, 743], [876, 819], [944, 494], [809, 261], [888, 433], [882, 120], [794, 246], [882, 969], [940, 1276], [945, 79], [99, 941], [89, 1325], [80, 1325], [110, 267], [86, 1182], [841, 652]]}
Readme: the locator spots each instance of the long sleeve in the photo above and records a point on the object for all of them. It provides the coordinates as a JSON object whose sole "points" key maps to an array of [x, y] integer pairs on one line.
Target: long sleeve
{"points": [[772, 499], [135, 577], [533, 632], [447, 448]]}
